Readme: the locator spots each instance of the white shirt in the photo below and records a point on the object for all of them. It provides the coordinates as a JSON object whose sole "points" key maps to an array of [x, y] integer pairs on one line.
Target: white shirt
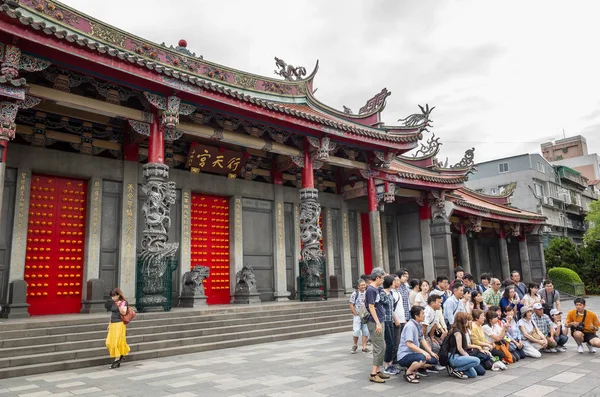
{"points": [[399, 311], [489, 331]]}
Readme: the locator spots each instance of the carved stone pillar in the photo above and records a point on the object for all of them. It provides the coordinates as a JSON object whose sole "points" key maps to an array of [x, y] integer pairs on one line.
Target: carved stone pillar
{"points": [[346, 256], [17, 305], [465, 258], [158, 255], [525, 262], [504, 261], [441, 236], [426, 241], [281, 292], [94, 287], [312, 259], [374, 224]]}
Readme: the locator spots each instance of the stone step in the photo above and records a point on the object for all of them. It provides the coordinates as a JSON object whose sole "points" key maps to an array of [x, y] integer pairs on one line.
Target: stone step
{"points": [[179, 313], [179, 344], [65, 364], [42, 328], [97, 339], [60, 334]]}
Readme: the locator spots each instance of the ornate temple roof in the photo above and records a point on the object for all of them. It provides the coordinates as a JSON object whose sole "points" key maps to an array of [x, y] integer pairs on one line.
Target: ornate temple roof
{"points": [[179, 68], [290, 99], [473, 203]]}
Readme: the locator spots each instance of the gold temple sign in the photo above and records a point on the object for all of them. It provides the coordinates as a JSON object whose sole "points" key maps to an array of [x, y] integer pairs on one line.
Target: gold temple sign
{"points": [[211, 159]]}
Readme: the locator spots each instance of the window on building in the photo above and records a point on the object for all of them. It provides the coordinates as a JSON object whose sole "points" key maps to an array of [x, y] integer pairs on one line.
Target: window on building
{"points": [[540, 167], [539, 189], [503, 167], [494, 190]]}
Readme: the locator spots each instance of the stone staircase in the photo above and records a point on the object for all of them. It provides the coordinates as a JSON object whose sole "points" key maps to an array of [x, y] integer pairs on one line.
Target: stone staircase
{"points": [[57, 343]]}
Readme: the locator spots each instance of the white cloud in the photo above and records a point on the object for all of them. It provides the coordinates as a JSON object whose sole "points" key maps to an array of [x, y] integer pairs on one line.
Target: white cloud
{"points": [[504, 76]]}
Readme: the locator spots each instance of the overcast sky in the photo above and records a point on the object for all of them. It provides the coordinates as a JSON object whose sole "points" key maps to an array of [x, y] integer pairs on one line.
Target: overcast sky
{"points": [[504, 76]]}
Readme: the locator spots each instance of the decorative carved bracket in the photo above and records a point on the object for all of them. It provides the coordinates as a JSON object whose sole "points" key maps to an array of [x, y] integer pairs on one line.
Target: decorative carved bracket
{"points": [[14, 61], [323, 147], [389, 196], [8, 115], [475, 224], [171, 108], [385, 159], [515, 229], [144, 129]]}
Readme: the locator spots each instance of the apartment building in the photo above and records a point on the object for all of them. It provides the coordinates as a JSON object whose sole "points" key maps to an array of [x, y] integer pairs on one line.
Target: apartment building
{"points": [[558, 192]]}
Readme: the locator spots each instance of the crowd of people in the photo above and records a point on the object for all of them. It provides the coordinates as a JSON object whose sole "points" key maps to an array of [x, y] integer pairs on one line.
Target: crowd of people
{"points": [[417, 328]]}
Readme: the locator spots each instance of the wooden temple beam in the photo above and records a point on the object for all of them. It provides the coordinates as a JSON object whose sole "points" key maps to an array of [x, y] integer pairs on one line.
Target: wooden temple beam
{"points": [[87, 104], [94, 106], [177, 157], [69, 138], [52, 108]]}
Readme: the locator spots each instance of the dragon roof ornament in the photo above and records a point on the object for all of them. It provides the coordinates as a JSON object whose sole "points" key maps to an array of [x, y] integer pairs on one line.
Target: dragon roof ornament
{"points": [[289, 72], [417, 120]]}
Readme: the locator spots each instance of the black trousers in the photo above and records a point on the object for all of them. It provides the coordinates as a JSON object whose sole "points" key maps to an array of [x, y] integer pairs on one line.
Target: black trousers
{"points": [[390, 337]]}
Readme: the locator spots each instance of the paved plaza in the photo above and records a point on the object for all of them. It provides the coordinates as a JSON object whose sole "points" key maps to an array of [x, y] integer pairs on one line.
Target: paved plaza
{"points": [[319, 366]]}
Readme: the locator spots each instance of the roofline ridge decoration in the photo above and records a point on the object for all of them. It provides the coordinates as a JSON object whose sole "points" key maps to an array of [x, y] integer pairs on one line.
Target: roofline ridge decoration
{"points": [[508, 191], [427, 150], [163, 57], [516, 212]]}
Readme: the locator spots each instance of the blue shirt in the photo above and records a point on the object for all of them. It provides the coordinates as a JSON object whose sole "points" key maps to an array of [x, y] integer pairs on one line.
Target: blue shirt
{"points": [[412, 332], [451, 307], [372, 297]]}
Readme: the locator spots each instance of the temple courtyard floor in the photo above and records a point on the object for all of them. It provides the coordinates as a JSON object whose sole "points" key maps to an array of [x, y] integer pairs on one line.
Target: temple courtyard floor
{"points": [[318, 366]]}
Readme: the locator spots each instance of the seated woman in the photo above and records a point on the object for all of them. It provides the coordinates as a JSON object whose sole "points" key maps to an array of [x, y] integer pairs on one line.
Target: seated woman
{"points": [[414, 353], [532, 295], [514, 334], [510, 298], [533, 341], [561, 330], [484, 356], [477, 334], [476, 302], [462, 363], [421, 298], [494, 334]]}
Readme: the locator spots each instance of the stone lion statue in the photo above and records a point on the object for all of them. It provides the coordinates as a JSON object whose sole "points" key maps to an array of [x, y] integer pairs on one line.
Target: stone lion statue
{"points": [[193, 280], [246, 281]]}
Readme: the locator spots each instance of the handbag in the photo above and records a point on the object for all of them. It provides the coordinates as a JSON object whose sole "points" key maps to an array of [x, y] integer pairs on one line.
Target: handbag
{"points": [[503, 347], [128, 316]]}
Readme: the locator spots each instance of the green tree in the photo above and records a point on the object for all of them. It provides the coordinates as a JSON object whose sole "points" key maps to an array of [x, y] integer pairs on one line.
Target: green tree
{"points": [[592, 235], [589, 270], [562, 252]]}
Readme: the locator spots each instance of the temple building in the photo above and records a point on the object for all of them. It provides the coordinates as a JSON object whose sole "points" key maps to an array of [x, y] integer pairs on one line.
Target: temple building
{"points": [[126, 163]]}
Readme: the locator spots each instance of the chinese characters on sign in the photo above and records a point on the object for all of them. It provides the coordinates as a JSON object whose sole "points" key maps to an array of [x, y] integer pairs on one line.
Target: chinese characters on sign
{"points": [[212, 159]]}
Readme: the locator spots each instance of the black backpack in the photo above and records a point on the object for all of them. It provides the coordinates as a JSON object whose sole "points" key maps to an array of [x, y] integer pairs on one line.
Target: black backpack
{"points": [[445, 349]]}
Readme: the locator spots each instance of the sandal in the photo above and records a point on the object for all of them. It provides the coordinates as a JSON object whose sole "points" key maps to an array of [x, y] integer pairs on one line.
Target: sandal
{"points": [[411, 378]]}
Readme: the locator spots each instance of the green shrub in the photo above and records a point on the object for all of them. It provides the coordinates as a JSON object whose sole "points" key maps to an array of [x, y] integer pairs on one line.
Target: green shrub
{"points": [[567, 280]]}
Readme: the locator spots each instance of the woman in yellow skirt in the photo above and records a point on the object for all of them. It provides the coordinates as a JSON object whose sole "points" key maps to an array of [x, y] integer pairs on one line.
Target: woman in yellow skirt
{"points": [[116, 341]]}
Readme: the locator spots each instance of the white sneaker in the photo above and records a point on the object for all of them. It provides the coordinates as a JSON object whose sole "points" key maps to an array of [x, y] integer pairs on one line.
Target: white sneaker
{"points": [[580, 349], [561, 349], [439, 367], [591, 348], [553, 351]]}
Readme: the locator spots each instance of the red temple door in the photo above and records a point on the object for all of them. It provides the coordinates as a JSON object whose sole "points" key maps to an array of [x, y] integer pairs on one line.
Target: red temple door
{"points": [[366, 240], [55, 245], [210, 244]]}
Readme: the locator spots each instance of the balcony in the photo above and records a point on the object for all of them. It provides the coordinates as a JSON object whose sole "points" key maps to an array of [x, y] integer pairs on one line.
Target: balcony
{"points": [[572, 175], [573, 224]]}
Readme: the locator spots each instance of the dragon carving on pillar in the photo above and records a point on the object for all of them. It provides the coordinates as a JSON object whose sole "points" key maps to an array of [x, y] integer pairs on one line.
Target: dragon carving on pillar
{"points": [[310, 232], [158, 254]]}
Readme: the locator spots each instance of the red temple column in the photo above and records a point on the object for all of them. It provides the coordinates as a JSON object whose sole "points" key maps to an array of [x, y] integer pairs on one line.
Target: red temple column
{"points": [[372, 194], [308, 178], [156, 142]]}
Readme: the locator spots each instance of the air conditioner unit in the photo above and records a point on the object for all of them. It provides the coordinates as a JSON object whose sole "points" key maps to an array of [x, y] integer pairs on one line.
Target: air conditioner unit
{"points": [[546, 229], [545, 200], [550, 201]]}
